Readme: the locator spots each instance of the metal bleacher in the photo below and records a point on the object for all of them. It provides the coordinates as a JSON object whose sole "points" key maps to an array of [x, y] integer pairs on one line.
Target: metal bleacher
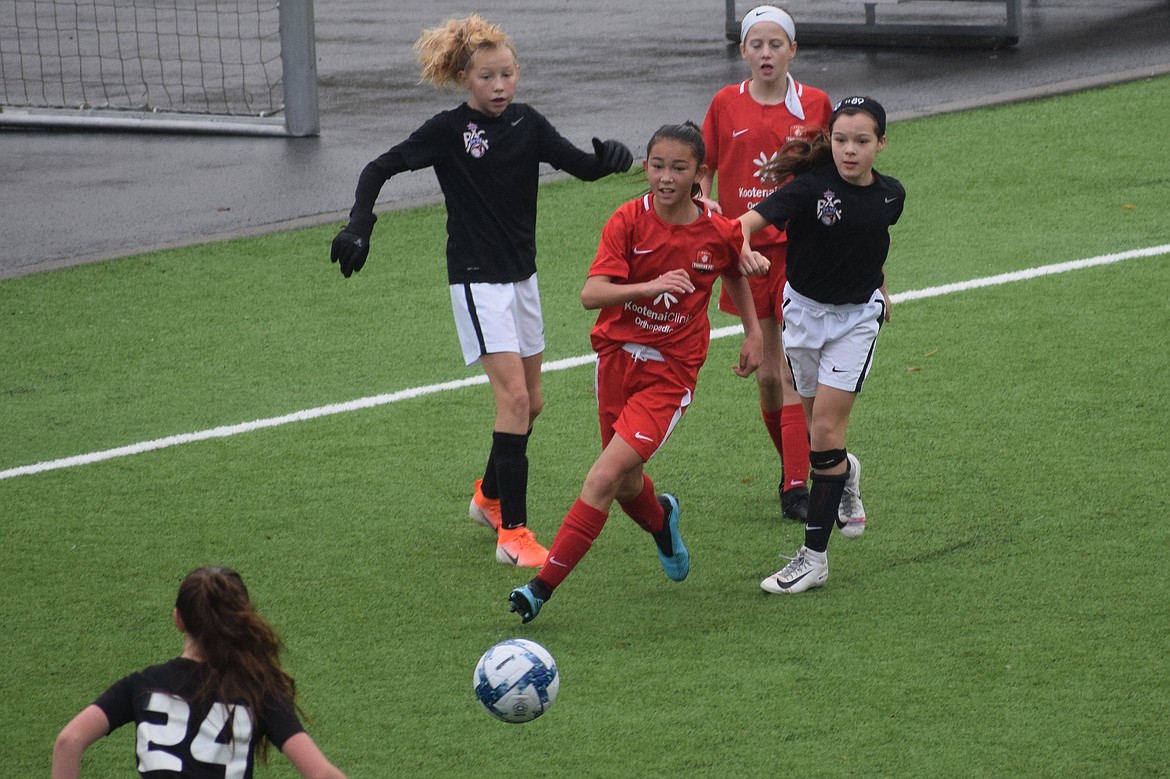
{"points": [[969, 23]]}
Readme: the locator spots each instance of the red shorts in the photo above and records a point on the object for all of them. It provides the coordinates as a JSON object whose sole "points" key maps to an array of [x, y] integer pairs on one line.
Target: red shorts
{"points": [[641, 398], [767, 291]]}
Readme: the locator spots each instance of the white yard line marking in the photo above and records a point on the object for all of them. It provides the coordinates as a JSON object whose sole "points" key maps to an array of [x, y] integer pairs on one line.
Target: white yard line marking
{"points": [[226, 431]]}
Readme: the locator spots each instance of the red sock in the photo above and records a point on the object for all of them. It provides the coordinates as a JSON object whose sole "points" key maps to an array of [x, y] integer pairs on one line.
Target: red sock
{"points": [[645, 509], [774, 424], [577, 533], [794, 430]]}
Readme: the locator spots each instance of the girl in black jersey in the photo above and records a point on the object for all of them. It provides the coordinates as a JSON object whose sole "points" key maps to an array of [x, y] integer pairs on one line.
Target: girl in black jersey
{"points": [[203, 714], [486, 154], [837, 212]]}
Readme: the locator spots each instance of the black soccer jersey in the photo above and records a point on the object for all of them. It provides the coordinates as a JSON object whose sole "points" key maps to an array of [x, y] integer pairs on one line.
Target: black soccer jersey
{"points": [[212, 740], [838, 233], [488, 170]]}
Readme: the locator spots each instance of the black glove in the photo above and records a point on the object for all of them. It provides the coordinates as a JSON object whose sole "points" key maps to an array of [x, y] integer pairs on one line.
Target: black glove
{"points": [[614, 155], [351, 247]]}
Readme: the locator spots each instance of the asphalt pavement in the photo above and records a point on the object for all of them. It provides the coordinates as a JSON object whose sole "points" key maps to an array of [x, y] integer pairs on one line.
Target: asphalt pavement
{"points": [[593, 67]]}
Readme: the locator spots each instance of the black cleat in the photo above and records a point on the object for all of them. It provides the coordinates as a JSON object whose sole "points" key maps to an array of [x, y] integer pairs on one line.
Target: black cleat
{"points": [[794, 504]]}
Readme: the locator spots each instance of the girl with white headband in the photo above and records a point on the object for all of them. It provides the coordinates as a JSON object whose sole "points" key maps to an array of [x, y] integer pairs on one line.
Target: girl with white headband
{"points": [[745, 127]]}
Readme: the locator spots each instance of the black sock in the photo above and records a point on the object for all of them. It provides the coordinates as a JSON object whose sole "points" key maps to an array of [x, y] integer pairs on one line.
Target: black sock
{"points": [[824, 502], [490, 486], [662, 537], [509, 452], [540, 589]]}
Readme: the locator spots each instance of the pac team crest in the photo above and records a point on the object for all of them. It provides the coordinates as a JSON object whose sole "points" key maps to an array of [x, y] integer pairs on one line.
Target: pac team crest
{"points": [[474, 142], [829, 208]]}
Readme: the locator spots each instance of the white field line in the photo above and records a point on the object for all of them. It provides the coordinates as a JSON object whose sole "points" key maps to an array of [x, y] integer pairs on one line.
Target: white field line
{"points": [[226, 431]]}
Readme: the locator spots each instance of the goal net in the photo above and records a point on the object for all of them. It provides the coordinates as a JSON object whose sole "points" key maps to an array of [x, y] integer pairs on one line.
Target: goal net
{"points": [[230, 66]]}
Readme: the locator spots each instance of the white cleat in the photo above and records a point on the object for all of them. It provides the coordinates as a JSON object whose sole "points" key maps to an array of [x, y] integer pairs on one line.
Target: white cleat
{"points": [[807, 570], [851, 514]]}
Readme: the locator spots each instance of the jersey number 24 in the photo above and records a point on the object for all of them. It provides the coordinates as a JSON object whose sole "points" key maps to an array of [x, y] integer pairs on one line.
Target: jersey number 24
{"points": [[205, 746]]}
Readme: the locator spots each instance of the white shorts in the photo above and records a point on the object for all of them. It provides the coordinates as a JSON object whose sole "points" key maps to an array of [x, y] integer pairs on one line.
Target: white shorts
{"points": [[498, 318], [830, 345]]}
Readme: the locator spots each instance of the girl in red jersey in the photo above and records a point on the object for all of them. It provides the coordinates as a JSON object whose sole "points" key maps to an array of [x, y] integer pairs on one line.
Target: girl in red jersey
{"points": [[486, 154], [745, 127], [652, 278], [228, 682], [838, 211]]}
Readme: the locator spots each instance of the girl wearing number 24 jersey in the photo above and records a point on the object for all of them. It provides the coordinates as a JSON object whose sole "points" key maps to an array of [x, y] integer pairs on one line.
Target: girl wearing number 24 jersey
{"points": [[206, 713]]}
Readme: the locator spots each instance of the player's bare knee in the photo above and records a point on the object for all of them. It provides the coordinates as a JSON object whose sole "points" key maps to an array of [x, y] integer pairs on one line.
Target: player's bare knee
{"points": [[770, 377], [514, 403]]}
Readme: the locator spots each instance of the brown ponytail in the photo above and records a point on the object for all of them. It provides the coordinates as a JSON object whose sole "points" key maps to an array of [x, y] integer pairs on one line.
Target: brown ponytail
{"points": [[797, 156], [241, 649]]}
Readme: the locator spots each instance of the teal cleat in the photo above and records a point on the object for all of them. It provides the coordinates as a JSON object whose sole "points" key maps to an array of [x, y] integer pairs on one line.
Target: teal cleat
{"points": [[672, 552], [524, 601]]}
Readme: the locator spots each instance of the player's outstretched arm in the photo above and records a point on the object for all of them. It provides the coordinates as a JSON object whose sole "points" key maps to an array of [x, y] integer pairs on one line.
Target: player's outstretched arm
{"points": [[751, 263], [351, 247]]}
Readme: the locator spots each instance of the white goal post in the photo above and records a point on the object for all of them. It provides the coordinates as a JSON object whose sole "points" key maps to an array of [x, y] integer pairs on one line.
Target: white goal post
{"points": [[246, 67]]}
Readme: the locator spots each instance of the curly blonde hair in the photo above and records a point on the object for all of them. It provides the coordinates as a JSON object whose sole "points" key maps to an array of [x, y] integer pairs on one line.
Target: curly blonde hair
{"points": [[445, 51]]}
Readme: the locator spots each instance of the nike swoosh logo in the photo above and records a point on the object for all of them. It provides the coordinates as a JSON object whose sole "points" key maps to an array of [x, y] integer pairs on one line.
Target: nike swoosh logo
{"points": [[641, 437], [642, 251], [784, 586], [891, 199], [837, 370], [512, 557], [518, 121], [737, 133], [554, 561], [760, 13]]}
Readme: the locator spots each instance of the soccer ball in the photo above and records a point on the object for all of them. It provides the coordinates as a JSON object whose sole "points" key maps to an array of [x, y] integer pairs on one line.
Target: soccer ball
{"points": [[516, 680]]}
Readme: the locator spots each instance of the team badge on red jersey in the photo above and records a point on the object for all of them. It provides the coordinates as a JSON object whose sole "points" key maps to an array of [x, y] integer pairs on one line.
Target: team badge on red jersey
{"points": [[798, 131], [829, 208], [703, 262], [474, 142]]}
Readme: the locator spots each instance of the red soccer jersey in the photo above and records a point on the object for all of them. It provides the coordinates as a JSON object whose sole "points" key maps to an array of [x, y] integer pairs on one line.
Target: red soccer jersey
{"points": [[742, 135], [636, 246]]}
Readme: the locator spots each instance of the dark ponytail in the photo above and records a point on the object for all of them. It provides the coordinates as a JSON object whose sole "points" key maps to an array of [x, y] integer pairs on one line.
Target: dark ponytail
{"points": [[798, 156], [241, 649]]}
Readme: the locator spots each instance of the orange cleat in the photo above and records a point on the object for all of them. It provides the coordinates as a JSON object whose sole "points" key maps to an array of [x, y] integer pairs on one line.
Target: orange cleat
{"points": [[484, 510], [520, 548]]}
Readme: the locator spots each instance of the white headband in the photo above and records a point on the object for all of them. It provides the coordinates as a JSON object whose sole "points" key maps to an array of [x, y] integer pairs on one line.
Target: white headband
{"points": [[767, 13]]}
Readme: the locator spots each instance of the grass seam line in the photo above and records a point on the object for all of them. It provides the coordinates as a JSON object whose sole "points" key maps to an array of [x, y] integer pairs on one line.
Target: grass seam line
{"points": [[372, 401]]}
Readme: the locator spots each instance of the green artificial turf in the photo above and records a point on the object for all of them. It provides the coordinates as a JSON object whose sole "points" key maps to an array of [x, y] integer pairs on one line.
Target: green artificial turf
{"points": [[1005, 613]]}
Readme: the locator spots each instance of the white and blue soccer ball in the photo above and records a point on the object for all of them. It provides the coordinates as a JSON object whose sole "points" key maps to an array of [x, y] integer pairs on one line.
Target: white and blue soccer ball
{"points": [[516, 680]]}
